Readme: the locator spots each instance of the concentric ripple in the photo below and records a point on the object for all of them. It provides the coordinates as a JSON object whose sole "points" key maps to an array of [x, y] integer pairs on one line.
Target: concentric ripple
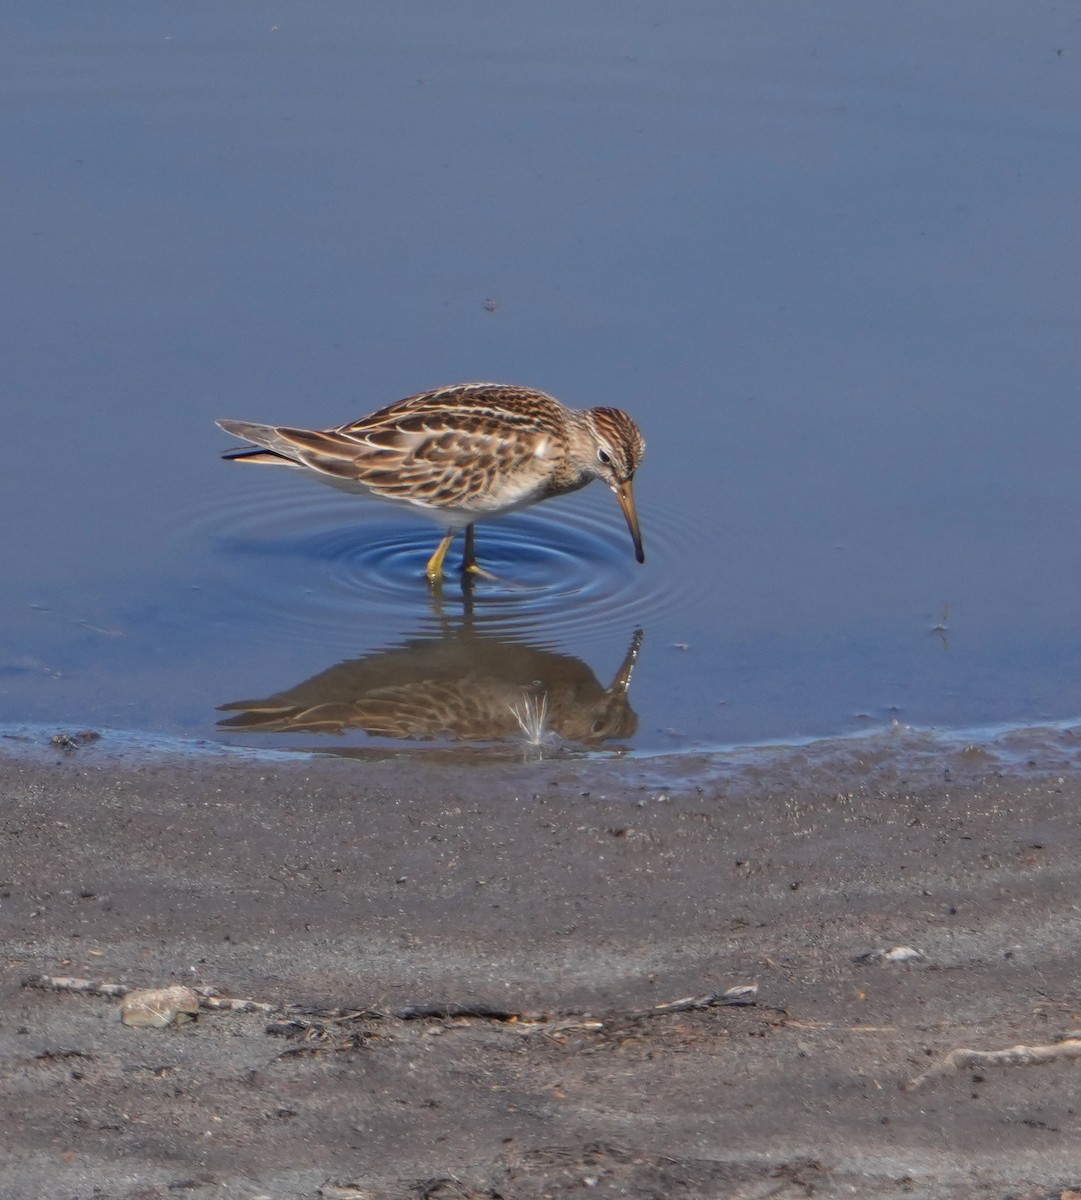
{"points": [[309, 563]]}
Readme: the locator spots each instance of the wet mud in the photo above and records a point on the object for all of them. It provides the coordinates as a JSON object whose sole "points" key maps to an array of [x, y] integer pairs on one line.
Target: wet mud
{"points": [[469, 974]]}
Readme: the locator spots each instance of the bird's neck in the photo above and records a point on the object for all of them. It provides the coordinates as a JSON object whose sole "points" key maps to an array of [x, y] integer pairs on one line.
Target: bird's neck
{"points": [[581, 458]]}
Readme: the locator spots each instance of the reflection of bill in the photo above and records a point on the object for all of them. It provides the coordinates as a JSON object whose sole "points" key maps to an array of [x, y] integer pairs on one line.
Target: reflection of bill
{"points": [[461, 685]]}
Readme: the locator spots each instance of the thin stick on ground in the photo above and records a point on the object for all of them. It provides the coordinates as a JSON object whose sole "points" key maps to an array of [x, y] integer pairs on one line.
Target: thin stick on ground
{"points": [[1014, 1056]]}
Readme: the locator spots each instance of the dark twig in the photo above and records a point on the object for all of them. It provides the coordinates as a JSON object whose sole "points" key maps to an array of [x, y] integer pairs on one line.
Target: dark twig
{"points": [[307, 1021]]}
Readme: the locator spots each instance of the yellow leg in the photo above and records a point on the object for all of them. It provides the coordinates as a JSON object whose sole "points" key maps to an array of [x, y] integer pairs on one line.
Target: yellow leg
{"points": [[435, 563], [469, 557]]}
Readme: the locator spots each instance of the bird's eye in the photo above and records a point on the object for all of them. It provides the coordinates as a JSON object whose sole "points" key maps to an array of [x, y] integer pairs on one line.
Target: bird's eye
{"points": [[604, 456]]}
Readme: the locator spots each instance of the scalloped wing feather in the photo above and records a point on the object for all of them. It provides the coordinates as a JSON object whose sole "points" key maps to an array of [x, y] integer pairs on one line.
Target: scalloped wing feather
{"points": [[433, 460]]}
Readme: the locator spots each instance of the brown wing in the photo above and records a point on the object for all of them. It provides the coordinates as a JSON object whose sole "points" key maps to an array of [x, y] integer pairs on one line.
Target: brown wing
{"points": [[441, 448]]}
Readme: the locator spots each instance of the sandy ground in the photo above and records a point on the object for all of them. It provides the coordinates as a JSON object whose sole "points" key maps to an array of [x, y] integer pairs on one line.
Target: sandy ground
{"points": [[574, 895]]}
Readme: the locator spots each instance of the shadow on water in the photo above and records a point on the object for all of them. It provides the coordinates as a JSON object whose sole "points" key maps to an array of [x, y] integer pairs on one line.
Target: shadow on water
{"points": [[459, 683]]}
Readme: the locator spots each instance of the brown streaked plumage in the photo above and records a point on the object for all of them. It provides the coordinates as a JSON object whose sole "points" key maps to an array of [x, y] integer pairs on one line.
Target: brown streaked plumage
{"points": [[463, 453]]}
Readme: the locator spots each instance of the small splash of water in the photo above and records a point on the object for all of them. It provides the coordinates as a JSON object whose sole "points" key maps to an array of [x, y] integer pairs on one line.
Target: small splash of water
{"points": [[531, 713]]}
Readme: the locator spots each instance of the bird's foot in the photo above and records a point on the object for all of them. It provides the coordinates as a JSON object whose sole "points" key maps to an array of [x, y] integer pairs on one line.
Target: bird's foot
{"points": [[475, 570]]}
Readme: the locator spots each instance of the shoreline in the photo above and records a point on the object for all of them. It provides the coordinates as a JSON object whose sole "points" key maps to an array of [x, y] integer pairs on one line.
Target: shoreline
{"points": [[895, 753]]}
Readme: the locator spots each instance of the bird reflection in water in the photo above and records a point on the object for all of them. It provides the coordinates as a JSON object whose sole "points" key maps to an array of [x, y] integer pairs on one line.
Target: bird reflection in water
{"points": [[461, 685]]}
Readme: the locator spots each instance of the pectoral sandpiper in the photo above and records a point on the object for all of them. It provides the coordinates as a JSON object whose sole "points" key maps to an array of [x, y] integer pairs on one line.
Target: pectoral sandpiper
{"points": [[464, 453]]}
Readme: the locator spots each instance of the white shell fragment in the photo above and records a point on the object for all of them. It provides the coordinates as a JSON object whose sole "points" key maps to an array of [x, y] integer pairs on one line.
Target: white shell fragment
{"points": [[157, 1008], [900, 954], [896, 955]]}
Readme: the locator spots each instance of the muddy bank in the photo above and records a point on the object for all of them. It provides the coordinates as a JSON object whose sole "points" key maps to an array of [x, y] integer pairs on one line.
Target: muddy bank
{"points": [[562, 899]]}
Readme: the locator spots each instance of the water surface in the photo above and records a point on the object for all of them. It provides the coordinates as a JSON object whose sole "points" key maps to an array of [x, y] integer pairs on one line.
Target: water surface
{"points": [[825, 254]]}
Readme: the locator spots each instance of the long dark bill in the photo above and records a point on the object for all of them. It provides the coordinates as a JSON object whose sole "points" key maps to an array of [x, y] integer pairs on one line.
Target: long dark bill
{"points": [[625, 496]]}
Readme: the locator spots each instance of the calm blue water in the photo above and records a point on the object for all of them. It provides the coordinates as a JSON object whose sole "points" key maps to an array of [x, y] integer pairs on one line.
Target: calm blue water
{"points": [[826, 254]]}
